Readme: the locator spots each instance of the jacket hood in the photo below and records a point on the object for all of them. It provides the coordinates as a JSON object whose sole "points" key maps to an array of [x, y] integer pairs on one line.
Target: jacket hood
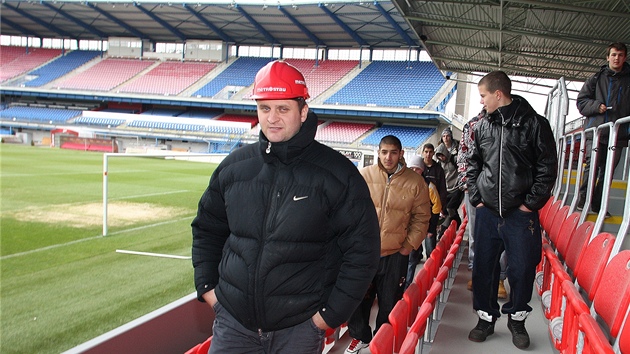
{"points": [[442, 149], [286, 151]]}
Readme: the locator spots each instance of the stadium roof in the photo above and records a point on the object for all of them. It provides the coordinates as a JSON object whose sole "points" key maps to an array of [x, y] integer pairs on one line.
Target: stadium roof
{"points": [[531, 38]]}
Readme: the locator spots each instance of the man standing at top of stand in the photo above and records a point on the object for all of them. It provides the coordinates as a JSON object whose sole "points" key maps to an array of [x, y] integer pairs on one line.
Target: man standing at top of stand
{"points": [[605, 97]]}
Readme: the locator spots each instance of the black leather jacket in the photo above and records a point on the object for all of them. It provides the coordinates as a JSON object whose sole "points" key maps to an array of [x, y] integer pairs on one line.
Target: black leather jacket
{"points": [[514, 161]]}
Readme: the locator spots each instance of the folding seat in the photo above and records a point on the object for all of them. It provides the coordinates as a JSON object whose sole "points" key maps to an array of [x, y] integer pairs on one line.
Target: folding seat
{"points": [[424, 281], [383, 341], [576, 247], [398, 318], [612, 297], [413, 299], [543, 211], [201, 348], [417, 331], [432, 268], [594, 262], [564, 234], [610, 300], [595, 341], [547, 219], [558, 221], [624, 337], [432, 298]]}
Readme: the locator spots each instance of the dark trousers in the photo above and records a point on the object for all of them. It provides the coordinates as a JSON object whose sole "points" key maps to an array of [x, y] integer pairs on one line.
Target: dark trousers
{"points": [[518, 233], [600, 170], [229, 336], [387, 286], [454, 200]]}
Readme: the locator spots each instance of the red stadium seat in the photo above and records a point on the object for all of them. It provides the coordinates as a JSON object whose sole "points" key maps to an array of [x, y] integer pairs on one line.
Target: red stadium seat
{"points": [[413, 299], [383, 341], [398, 318], [612, 297], [595, 341]]}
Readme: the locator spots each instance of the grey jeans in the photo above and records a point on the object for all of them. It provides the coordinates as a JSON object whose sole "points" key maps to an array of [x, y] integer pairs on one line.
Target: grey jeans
{"points": [[229, 336]]}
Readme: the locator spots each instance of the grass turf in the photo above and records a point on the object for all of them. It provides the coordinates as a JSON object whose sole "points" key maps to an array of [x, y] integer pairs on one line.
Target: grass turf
{"points": [[61, 285]]}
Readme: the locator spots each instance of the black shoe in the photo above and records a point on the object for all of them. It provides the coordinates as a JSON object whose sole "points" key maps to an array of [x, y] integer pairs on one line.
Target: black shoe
{"points": [[520, 338], [481, 331], [607, 215]]}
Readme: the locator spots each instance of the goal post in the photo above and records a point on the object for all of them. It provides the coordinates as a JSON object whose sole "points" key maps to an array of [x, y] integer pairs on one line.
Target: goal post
{"points": [[198, 157]]}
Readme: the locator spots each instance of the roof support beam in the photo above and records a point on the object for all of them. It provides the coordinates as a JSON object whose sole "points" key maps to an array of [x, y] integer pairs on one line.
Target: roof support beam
{"points": [[120, 23], [258, 26], [395, 25], [91, 29], [555, 5], [19, 28], [520, 55], [210, 25], [343, 26], [563, 38], [518, 69], [304, 30], [49, 26], [164, 24]]}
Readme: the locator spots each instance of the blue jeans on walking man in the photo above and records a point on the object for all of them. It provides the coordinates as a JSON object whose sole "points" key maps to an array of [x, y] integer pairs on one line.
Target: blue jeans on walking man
{"points": [[518, 233]]}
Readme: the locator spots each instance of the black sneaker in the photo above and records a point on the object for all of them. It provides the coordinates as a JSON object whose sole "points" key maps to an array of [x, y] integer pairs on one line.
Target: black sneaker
{"points": [[481, 331], [607, 216], [520, 338]]}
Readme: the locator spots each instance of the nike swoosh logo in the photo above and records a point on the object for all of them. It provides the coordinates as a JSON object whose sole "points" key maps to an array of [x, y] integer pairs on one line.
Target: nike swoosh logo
{"points": [[296, 198]]}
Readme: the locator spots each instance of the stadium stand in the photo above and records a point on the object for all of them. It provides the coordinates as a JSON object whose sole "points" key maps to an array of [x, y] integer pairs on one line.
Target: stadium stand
{"points": [[168, 78], [60, 67], [391, 83], [239, 118], [110, 122], [199, 114], [322, 76], [240, 73], [17, 61], [410, 137], [342, 132], [37, 114], [105, 75]]}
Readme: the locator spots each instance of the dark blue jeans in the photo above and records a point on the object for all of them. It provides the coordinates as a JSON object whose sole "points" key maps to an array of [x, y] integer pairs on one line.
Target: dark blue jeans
{"points": [[518, 233], [229, 336]]}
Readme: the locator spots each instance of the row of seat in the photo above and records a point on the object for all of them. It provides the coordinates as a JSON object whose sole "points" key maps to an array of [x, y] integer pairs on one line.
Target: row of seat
{"points": [[580, 280], [410, 87], [411, 319]]}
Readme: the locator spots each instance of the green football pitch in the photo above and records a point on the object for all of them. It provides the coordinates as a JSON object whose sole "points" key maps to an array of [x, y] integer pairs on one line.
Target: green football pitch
{"points": [[62, 282]]}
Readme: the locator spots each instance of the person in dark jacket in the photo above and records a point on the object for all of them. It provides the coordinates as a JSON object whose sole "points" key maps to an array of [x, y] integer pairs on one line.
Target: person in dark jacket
{"points": [[605, 97], [510, 175], [286, 238]]}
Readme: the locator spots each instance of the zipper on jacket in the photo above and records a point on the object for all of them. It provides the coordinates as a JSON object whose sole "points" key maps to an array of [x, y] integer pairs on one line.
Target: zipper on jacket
{"points": [[501, 165], [608, 99], [268, 149], [269, 225]]}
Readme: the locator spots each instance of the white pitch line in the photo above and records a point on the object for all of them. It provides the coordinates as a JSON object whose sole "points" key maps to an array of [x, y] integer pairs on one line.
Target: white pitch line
{"points": [[25, 253], [152, 254]]}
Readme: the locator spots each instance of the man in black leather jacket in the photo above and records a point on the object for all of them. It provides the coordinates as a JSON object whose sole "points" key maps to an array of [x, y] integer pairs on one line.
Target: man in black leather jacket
{"points": [[286, 238], [510, 176]]}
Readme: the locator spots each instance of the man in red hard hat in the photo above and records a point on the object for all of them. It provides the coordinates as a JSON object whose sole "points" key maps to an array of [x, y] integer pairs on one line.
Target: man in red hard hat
{"points": [[286, 238]]}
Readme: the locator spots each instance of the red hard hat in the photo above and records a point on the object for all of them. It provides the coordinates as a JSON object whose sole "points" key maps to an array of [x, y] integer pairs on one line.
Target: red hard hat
{"points": [[279, 81]]}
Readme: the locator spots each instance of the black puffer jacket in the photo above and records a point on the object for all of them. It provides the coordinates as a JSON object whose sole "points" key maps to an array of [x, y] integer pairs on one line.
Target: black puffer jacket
{"points": [[514, 161], [284, 233], [612, 89]]}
